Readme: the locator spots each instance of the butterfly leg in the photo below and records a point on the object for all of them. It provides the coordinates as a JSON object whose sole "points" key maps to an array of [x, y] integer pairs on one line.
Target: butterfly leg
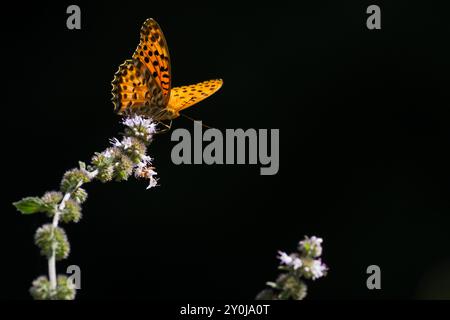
{"points": [[167, 126]]}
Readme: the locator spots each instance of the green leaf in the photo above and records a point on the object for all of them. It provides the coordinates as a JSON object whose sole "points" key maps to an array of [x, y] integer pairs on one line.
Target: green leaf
{"points": [[30, 205]]}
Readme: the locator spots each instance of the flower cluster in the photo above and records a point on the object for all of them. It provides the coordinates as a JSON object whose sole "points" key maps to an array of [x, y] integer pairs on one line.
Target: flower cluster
{"points": [[297, 266], [128, 155], [122, 159], [52, 241], [41, 289]]}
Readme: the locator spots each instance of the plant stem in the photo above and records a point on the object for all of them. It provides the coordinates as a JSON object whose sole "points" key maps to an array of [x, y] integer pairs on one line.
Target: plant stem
{"points": [[52, 259]]}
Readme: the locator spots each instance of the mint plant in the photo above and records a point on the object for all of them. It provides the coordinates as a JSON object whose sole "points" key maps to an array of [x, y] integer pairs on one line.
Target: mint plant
{"points": [[305, 264], [122, 159]]}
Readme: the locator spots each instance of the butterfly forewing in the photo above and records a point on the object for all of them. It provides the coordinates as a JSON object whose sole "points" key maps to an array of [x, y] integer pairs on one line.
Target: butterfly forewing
{"points": [[154, 53]]}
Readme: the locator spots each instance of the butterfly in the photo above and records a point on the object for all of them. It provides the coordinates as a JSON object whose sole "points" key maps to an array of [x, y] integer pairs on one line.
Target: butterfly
{"points": [[142, 85]]}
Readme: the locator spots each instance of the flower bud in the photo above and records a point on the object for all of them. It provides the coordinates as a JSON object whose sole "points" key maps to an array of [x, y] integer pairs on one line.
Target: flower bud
{"points": [[124, 168], [41, 289], [136, 150], [104, 163], [72, 178], [47, 237], [71, 211], [80, 195], [291, 287], [66, 289]]}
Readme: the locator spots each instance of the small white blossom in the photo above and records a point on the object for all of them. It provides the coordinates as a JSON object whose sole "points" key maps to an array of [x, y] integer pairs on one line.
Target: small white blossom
{"points": [[107, 153], [297, 263], [318, 269], [290, 260], [146, 159], [311, 246], [313, 268], [153, 182], [129, 122], [285, 258], [115, 142], [139, 125], [144, 170], [301, 266], [139, 168], [136, 120], [316, 241], [125, 143]]}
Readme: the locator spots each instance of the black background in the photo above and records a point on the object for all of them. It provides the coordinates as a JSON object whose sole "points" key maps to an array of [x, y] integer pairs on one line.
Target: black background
{"points": [[363, 118]]}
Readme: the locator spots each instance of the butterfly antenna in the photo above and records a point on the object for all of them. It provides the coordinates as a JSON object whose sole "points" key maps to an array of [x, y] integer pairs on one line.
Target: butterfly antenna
{"points": [[192, 119]]}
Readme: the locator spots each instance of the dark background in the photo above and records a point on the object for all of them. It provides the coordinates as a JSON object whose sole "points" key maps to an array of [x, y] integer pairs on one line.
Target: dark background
{"points": [[364, 126]]}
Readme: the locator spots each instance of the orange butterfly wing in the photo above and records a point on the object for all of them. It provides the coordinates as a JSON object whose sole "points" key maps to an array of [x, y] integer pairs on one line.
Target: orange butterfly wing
{"points": [[186, 96], [142, 85], [135, 90], [153, 52]]}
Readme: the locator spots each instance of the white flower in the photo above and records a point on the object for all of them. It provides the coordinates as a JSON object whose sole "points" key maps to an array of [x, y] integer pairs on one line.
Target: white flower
{"points": [[107, 153], [318, 269], [153, 182], [146, 159], [139, 124], [316, 241], [290, 260], [297, 263], [311, 246], [129, 122], [285, 258], [115, 142], [125, 143], [144, 170], [313, 268]]}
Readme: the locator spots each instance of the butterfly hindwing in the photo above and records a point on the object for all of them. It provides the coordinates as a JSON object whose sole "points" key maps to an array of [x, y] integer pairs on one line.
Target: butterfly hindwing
{"points": [[186, 96], [153, 52], [134, 89]]}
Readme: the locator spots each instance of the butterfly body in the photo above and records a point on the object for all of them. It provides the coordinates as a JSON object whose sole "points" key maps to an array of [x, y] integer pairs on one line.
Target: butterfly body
{"points": [[142, 85]]}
